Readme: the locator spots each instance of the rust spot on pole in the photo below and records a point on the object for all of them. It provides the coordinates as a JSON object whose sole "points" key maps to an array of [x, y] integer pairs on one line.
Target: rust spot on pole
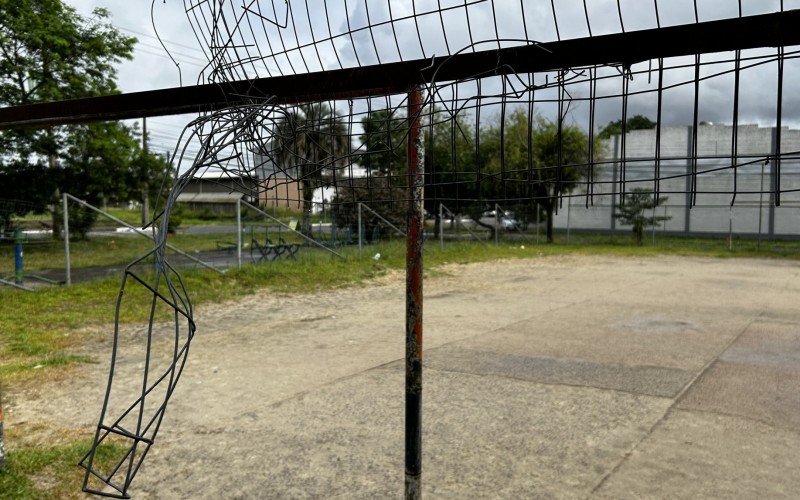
{"points": [[416, 181]]}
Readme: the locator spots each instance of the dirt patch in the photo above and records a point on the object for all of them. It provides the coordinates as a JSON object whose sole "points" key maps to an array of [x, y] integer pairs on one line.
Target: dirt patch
{"points": [[301, 395]]}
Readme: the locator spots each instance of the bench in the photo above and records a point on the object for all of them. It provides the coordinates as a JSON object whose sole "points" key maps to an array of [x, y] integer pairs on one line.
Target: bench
{"points": [[269, 251]]}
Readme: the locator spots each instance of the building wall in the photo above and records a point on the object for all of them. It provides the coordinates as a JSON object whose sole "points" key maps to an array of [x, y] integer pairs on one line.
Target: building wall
{"points": [[281, 193], [245, 186], [715, 206]]}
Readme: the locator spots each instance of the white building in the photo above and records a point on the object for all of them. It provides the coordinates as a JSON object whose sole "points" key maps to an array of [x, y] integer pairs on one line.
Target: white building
{"points": [[755, 181]]}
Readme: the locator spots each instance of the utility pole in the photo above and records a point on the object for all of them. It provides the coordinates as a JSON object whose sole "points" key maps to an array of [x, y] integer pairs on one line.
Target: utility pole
{"points": [[146, 185]]}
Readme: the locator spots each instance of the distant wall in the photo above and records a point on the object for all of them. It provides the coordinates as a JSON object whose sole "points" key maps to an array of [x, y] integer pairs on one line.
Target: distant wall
{"points": [[752, 212]]}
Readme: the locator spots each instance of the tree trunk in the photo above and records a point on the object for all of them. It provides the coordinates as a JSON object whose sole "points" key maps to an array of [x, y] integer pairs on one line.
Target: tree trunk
{"points": [[57, 217], [437, 226], [308, 203], [549, 211]]}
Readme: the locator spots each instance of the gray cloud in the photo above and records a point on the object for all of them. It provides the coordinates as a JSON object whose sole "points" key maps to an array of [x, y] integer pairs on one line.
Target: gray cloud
{"points": [[476, 23]]}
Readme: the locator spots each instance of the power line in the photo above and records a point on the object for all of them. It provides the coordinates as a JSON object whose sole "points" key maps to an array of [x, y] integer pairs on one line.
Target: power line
{"points": [[167, 57], [162, 39], [151, 46]]}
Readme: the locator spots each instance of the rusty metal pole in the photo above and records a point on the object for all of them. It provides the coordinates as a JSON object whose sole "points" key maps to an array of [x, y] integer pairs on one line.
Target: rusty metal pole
{"points": [[416, 182]]}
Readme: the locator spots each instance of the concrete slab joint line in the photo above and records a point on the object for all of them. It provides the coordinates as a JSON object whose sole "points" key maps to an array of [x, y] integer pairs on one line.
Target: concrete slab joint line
{"points": [[672, 406]]}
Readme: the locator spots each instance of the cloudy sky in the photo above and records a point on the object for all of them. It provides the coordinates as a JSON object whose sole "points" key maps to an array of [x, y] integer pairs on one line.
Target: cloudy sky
{"points": [[289, 50]]}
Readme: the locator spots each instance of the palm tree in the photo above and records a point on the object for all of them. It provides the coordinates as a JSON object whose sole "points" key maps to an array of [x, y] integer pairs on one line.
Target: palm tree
{"points": [[312, 141]]}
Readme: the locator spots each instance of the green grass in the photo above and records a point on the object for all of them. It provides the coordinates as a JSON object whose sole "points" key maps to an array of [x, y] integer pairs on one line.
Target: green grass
{"points": [[622, 244], [49, 472], [188, 216], [105, 251], [39, 330]]}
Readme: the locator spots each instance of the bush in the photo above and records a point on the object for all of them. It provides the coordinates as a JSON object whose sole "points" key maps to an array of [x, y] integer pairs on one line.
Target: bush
{"points": [[175, 218], [81, 220]]}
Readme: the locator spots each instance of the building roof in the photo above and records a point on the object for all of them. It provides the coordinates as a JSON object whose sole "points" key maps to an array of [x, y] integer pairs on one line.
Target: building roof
{"points": [[209, 197]]}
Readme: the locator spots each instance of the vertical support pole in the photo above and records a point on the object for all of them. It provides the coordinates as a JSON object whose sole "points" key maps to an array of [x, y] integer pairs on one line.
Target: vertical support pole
{"points": [[146, 190], [614, 167], [760, 206], [569, 211], [416, 181], [359, 229], [773, 186], [730, 229], [496, 222], [538, 219], [19, 273], [441, 226], [687, 215], [64, 208], [238, 233]]}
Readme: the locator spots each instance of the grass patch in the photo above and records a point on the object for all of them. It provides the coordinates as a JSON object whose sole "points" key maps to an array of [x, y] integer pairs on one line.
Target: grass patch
{"points": [[49, 472], [40, 329], [105, 251]]}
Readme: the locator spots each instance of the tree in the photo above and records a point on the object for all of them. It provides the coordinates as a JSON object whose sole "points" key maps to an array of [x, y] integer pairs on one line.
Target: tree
{"points": [[451, 165], [381, 195], [384, 142], [632, 212], [637, 122], [310, 141], [104, 163], [541, 161], [48, 52]]}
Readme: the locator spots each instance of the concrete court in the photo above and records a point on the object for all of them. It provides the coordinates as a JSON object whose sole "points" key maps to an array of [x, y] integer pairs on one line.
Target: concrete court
{"points": [[567, 377]]}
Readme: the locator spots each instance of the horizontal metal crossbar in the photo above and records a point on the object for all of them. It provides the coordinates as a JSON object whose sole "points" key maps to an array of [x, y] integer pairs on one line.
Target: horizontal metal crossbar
{"points": [[767, 30]]}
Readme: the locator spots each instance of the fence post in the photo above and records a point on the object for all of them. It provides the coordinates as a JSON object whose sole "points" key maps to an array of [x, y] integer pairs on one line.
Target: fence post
{"points": [[239, 233], [538, 215], [730, 229], [65, 208], [496, 222], [19, 273], [569, 211], [441, 226], [359, 229], [760, 206], [413, 404]]}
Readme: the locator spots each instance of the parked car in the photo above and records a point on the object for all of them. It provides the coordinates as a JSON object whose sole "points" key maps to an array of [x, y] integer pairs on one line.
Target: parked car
{"points": [[507, 220]]}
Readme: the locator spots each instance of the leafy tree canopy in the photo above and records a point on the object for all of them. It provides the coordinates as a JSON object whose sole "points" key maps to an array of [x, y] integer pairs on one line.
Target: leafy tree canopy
{"points": [[49, 52], [638, 122], [384, 142], [526, 160]]}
